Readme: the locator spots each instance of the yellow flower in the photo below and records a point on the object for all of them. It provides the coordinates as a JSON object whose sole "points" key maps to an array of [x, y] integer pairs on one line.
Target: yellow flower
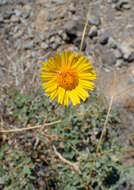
{"points": [[67, 77]]}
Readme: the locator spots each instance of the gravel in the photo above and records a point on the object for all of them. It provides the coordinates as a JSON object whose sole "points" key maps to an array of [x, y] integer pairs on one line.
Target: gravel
{"points": [[94, 20], [93, 32]]}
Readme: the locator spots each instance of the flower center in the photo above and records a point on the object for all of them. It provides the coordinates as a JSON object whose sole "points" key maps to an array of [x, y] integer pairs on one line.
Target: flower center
{"points": [[67, 79]]}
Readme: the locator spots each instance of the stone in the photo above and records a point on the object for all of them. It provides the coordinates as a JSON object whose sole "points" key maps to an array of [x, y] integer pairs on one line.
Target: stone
{"points": [[72, 27], [118, 54], [15, 18], [93, 32], [119, 62], [44, 45], [126, 52], [72, 8], [54, 46], [73, 30], [57, 40], [18, 12], [94, 20], [131, 57], [112, 43], [34, 55], [52, 39], [104, 39], [28, 45], [126, 6], [121, 4], [8, 15], [64, 36]]}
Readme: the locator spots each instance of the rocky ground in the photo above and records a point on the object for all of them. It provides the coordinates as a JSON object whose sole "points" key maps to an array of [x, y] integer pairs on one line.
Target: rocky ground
{"points": [[32, 30]]}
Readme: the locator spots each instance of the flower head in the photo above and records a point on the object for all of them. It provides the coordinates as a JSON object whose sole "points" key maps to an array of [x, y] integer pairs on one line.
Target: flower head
{"points": [[67, 77]]}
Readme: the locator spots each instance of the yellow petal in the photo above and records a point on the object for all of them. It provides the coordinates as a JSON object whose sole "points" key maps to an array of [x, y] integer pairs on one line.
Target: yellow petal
{"points": [[54, 94], [51, 88], [83, 94], [74, 98], [49, 83], [87, 76], [61, 93], [66, 99], [86, 84]]}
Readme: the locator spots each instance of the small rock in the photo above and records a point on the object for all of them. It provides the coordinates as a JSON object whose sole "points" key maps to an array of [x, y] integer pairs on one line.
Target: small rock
{"points": [[119, 62], [93, 32], [52, 39], [126, 6], [72, 27], [94, 20], [54, 46], [104, 39], [34, 54], [8, 15], [15, 18], [57, 40], [18, 12], [28, 45], [44, 45], [112, 43], [126, 52], [64, 36], [120, 4], [72, 8], [73, 30], [118, 54], [131, 57]]}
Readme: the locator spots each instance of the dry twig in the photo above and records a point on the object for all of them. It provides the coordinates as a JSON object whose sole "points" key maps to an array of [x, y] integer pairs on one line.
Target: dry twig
{"points": [[74, 166], [29, 128]]}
